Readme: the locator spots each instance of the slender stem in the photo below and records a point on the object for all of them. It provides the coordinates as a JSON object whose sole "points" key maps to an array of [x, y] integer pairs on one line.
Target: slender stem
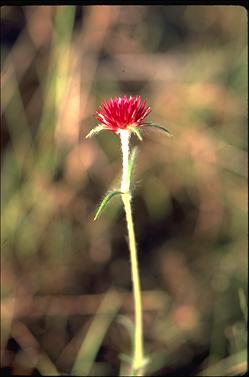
{"points": [[126, 196]]}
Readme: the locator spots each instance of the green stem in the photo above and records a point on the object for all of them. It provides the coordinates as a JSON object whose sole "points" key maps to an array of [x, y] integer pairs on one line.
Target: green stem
{"points": [[126, 197]]}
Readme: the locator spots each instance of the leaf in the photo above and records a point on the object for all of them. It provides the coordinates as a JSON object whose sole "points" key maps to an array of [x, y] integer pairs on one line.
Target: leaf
{"points": [[128, 324], [234, 365], [131, 164], [93, 338], [243, 303], [150, 124], [136, 131], [96, 130], [109, 195]]}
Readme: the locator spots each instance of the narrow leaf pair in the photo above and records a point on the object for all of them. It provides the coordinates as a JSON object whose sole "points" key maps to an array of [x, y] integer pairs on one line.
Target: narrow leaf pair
{"points": [[134, 129]]}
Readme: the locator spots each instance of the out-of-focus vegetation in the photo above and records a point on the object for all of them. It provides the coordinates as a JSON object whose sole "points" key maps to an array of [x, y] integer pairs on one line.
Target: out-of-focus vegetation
{"points": [[66, 289]]}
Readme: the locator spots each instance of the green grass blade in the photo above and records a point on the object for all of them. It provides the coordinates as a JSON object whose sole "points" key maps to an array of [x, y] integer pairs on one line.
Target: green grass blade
{"points": [[105, 201], [126, 322], [154, 125], [229, 366], [98, 328], [243, 303]]}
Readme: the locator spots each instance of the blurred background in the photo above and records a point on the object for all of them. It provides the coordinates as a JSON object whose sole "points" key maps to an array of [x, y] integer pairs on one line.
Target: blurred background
{"points": [[67, 305]]}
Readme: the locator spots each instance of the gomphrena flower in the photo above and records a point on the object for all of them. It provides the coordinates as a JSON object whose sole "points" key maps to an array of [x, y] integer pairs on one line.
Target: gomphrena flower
{"points": [[125, 116], [122, 112]]}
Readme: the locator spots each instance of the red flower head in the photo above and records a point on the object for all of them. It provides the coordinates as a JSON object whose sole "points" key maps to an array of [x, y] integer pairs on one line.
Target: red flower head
{"points": [[120, 113]]}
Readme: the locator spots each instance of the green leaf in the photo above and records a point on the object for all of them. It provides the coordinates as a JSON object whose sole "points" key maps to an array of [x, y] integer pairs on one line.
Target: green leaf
{"points": [[234, 365], [96, 130], [150, 124], [131, 164], [136, 131], [128, 324], [93, 338], [109, 195], [243, 303]]}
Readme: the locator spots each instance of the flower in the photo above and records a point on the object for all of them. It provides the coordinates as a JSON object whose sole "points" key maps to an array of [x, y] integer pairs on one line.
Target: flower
{"points": [[122, 112]]}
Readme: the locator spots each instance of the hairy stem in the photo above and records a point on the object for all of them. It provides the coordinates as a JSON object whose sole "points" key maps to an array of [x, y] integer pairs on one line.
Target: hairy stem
{"points": [[126, 197]]}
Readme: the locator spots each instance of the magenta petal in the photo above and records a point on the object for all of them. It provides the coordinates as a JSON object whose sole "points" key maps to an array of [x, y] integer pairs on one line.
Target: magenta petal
{"points": [[120, 112]]}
